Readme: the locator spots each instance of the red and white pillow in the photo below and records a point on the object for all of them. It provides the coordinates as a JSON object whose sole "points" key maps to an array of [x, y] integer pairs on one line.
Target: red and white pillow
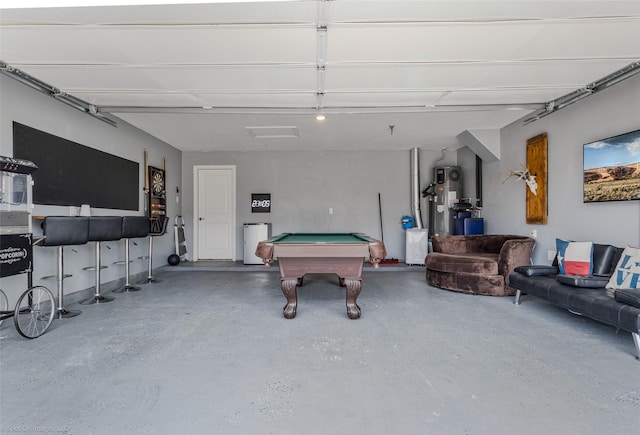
{"points": [[574, 258]]}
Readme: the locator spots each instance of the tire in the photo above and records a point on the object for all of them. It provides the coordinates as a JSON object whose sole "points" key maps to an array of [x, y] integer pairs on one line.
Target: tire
{"points": [[34, 312], [4, 306]]}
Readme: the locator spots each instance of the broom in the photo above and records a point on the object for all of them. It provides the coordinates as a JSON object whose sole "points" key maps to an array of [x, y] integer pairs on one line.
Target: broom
{"points": [[384, 260]]}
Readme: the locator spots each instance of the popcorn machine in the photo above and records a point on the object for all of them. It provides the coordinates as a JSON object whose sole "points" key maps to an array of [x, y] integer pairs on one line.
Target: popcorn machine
{"points": [[16, 203], [35, 308]]}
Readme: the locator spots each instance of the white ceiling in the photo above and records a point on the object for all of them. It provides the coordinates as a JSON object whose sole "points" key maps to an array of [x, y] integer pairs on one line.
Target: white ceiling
{"points": [[209, 76]]}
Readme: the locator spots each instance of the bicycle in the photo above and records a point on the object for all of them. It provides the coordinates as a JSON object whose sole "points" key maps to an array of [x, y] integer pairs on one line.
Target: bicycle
{"points": [[33, 312]]}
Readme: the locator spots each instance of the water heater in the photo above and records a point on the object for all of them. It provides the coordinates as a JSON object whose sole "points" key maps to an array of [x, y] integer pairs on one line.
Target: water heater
{"points": [[446, 190]]}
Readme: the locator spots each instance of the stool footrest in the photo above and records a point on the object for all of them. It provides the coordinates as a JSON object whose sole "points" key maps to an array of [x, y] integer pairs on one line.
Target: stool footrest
{"points": [[66, 275], [121, 262], [94, 268]]}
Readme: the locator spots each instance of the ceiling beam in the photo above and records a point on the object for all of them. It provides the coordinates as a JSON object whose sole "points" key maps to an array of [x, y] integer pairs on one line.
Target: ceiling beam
{"points": [[329, 110]]}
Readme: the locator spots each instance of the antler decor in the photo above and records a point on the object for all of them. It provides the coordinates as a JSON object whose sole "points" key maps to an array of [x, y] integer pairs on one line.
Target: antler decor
{"points": [[525, 175]]}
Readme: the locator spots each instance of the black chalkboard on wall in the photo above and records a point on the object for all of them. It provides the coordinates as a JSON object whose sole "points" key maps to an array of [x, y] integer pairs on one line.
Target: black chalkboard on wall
{"points": [[71, 174]]}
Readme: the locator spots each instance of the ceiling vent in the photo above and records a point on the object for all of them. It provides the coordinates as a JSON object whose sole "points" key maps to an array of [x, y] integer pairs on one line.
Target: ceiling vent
{"points": [[274, 132]]}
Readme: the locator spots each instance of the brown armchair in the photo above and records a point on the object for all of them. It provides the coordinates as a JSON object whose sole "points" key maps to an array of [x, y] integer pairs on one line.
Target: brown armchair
{"points": [[477, 264]]}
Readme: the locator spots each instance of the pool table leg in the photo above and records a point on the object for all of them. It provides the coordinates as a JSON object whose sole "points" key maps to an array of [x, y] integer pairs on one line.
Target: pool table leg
{"points": [[288, 286], [353, 290]]}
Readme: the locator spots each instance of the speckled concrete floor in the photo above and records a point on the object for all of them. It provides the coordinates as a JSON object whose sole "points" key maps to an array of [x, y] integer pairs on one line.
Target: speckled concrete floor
{"points": [[209, 353]]}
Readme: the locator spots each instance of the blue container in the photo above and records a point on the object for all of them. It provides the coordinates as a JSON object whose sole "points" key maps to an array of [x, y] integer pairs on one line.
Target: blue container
{"points": [[473, 226], [458, 222], [407, 222]]}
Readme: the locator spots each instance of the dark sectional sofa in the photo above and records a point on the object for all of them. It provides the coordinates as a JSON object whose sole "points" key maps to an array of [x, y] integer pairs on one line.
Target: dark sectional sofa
{"points": [[584, 295]]}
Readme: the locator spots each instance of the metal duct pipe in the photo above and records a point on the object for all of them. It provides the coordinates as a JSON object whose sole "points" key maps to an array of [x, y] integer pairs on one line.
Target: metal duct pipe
{"points": [[415, 187]]}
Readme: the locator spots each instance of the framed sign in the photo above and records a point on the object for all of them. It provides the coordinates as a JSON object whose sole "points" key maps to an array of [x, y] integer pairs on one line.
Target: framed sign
{"points": [[260, 203], [16, 253]]}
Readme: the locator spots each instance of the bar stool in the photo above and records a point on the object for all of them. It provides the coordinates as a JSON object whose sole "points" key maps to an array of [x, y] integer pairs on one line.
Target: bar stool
{"points": [[63, 231], [102, 229], [132, 227], [162, 229]]}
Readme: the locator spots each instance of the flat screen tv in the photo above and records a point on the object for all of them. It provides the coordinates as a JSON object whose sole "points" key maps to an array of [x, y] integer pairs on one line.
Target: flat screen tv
{"points": [[612, 168]]}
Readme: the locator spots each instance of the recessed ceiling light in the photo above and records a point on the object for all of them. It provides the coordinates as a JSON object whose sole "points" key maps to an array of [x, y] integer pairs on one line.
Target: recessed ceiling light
{"points": [[321, 117]]}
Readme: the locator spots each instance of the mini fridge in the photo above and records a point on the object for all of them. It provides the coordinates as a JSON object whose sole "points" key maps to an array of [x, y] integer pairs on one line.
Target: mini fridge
{"points": [[253, 234], [417, 245]]}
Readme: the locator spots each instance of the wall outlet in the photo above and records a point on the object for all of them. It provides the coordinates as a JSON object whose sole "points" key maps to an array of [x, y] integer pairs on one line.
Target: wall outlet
{"points": [[533, 234], [330, 210], [551, 254]]}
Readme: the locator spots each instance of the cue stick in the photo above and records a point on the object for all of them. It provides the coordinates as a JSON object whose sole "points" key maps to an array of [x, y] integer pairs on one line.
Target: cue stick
{"points": [[146, 172], [146, 181], [380, 213]]}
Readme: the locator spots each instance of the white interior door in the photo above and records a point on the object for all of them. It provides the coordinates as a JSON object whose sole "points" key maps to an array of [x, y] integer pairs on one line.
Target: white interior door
{"points": [[215, 212]]}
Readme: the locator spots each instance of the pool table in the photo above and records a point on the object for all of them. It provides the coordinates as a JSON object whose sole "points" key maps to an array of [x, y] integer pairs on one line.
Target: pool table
{"points": [[339, 253]]}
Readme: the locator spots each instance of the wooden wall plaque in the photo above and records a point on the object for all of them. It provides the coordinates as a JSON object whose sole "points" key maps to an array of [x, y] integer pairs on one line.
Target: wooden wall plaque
{"points": [[537, 165]]}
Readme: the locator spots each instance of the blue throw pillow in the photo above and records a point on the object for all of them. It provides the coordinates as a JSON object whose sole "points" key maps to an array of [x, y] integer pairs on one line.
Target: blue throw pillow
{"points": [[574, 258]]}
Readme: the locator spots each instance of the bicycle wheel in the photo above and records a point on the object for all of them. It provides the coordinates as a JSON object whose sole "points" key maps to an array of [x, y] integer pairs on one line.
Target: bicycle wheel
{"points": [[34, 312], [4, 306]]}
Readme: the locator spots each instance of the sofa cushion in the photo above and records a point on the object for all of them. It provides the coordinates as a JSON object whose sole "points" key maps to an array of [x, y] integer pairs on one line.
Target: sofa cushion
{"points": [[627, 272], [471, 283], [584, 281], [574, 257], [481, 263], [603, 256], [591, 302], [629, 296], [477, 243], [536, 270]]}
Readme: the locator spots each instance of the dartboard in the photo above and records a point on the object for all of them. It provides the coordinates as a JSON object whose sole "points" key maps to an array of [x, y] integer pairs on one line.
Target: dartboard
{"points": [[157, 182]]}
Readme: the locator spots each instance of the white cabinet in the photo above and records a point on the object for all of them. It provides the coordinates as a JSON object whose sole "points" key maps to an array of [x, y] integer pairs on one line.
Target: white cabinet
{"points": [[253, 234], [417, 245]]}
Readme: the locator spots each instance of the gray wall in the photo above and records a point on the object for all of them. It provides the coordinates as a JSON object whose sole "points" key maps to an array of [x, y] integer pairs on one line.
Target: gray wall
{"points": [[467, 161], [611, 112], [24, 105], [305, 184]]}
